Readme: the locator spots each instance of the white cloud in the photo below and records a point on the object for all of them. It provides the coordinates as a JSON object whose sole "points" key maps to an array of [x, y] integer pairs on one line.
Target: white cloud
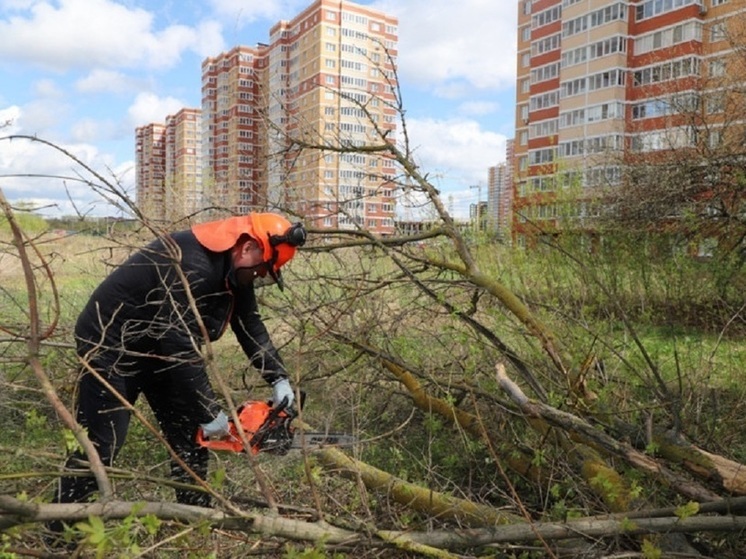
{"points": [[98, 33], [209, 40], [57, 176], [455, 150], [478, 108], [148, 107], [47, 88], [92, 130], [42, 115], [103, 81], [456, 45]]}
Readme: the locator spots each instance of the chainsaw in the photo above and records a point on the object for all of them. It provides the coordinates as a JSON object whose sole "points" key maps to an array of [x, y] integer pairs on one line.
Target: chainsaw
{"points": [[269, 429]]}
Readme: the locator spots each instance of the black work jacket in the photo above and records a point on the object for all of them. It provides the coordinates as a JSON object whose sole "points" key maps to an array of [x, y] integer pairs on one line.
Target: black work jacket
{"points": [[141, 312]]}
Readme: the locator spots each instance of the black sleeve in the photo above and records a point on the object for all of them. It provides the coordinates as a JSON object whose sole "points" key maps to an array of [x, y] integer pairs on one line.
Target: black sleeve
{"points": [[252, 334]]}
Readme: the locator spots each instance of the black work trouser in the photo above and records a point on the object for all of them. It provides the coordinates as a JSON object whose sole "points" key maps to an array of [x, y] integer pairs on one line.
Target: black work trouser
{"points": [[107, 420]]}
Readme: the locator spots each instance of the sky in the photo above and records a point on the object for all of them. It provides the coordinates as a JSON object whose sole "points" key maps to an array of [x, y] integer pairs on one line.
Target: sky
{"points": [[84, 74]]}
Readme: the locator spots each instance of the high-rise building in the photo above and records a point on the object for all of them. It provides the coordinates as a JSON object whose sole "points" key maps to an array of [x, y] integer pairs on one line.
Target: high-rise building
{"points": [[500, 193], [169, 169], [150, 165], [183, 181], [326, 78], [233, 130], [602, 83]]}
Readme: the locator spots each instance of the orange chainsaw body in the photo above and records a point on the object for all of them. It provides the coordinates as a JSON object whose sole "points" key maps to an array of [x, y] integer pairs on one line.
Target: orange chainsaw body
{"points": [[254, 416]]}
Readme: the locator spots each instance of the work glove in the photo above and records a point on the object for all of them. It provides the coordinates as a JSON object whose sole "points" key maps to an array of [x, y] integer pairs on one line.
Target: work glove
{"points": [[281, 390], [217, 428]]}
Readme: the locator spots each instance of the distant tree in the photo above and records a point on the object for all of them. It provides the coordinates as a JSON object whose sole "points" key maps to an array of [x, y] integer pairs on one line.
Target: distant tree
{"points": [[687, 177]]}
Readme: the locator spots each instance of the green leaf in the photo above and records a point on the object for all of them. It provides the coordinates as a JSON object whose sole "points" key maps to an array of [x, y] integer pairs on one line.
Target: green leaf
{"points": [[687, 510]]}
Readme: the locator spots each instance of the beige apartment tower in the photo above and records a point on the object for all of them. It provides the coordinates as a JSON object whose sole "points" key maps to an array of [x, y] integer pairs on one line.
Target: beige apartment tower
{"points": [[326, 78], [183, 183], [603, 83], [332, 82]]}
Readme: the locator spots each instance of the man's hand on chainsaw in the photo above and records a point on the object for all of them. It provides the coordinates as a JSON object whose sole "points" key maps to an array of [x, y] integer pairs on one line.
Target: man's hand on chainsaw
{"points": [[217, 428], [282, 394]]}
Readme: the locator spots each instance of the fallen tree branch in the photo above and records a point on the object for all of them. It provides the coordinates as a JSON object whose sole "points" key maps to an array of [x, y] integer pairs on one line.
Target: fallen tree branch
{"points": [[586, 433], [593, 528], [435, 504], [14, 512]]}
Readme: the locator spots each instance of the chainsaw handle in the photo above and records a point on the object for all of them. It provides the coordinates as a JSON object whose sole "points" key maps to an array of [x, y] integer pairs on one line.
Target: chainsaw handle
{"points": [[290, 410], [230, 442]]}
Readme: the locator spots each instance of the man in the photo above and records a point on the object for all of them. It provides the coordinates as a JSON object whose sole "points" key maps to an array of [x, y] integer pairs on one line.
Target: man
{"points": [[139, 331]]}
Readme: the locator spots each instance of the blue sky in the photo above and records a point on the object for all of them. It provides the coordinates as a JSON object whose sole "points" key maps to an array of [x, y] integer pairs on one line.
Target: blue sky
{"points": [[85, 73]]}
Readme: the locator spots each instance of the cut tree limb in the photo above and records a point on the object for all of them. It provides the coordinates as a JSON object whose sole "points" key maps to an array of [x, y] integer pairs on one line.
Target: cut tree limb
{"points": [[421, 499], [584, 432]]}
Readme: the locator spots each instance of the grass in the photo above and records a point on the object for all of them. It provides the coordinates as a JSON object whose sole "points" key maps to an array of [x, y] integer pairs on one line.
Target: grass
{"points": [[584, 302]]}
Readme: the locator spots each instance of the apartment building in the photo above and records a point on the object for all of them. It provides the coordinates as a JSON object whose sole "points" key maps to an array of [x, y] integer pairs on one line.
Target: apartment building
{"points": [[500, 193], [233, 130], [169, 168], [330, 81], [183, 181], [326, 78], [603, 83], [150, 166]]}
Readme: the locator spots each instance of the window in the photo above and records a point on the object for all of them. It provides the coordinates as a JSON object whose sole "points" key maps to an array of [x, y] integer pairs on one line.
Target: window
{"points": [[718, 32], [544, 73], [653, 8], [543, 128], [549, 99], [596, 18], [546, 17], [542, 156], [675, 69], [717, 68], [715, 102], [689, 31]]}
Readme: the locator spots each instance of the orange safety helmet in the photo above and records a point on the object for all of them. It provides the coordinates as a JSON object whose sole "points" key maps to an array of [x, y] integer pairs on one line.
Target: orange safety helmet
{"points": [[277, 236]]}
